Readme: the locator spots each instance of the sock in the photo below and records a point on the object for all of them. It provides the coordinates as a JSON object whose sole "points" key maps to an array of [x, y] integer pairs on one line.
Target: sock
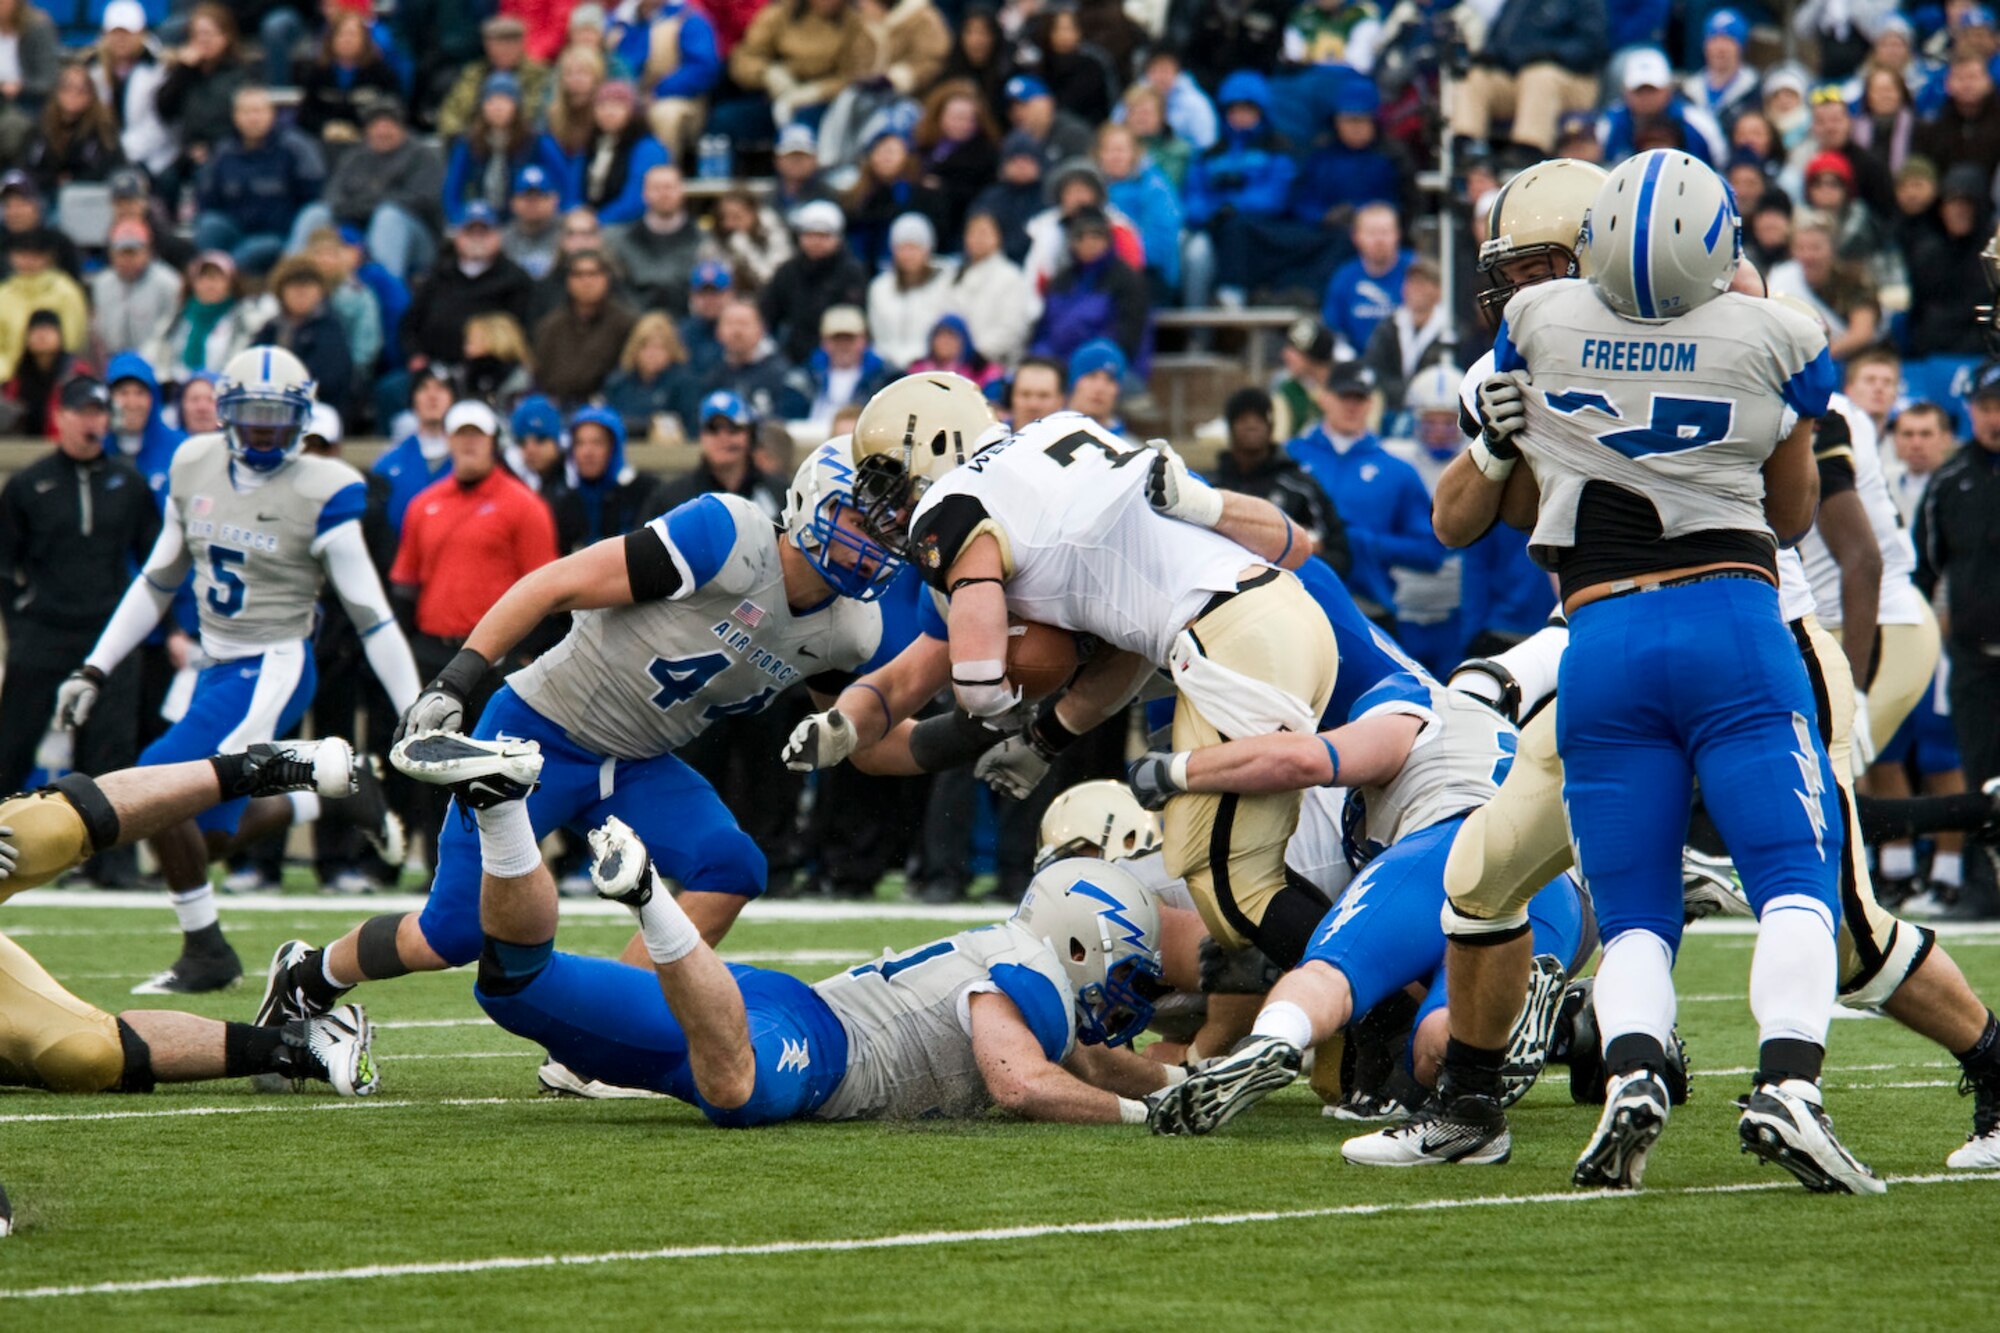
{"points": [[507, 845], [313, 979], [1898, 860], [1470, 1070], [1285, 1021], [1982, 1058], [1633, 1051], [1783, 1058], [305, 806], [247, 1049], [1535, 661], [195, 907], [1792, 972], [669, 935], [1635, 991], [1948, 868]]}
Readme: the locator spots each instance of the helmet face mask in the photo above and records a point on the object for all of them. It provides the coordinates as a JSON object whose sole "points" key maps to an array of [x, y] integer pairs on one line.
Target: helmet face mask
{"points": [[265, 403], [1534, 231], [1116, 1011], [1104, 928], [911, 433], [1522, 268], [832, 531]]}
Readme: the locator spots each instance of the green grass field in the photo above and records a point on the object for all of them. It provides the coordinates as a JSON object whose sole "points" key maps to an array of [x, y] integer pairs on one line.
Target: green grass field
{"points": [[519, 1211]]}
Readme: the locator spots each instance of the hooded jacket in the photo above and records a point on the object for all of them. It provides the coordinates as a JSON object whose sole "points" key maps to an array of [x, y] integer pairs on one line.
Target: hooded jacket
{"points": [[610, 505], [156, 444], [1248, 171]]}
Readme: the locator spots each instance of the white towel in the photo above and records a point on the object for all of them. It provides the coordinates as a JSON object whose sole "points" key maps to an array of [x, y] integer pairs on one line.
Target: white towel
{"points": [[1235, 704]]}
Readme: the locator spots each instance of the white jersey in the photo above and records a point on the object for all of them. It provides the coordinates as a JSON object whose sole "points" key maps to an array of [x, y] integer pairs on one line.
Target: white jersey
{"points": [[908, 1018], [1080, 547], [1795, 590], [1316, 852], [632, 682], [1457, 764], [1683, 412], [1899, 602]]}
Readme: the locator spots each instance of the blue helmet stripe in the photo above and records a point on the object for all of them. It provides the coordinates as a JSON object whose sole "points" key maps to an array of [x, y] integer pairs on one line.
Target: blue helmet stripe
{"points": [[1642, 251]]}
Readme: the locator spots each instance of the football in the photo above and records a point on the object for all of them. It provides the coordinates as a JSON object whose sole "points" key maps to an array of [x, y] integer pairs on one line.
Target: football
{"points": [[1040, 658]]}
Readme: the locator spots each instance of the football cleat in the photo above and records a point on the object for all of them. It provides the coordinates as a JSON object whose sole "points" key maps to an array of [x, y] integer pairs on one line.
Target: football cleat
{"points": [[1982, 1146], [1467, 1129], [1368, 1108], [195, 974], [284, 1000], [559, 1080], [481, 774], [340, 1048], [1635, 1111], [1709, 887], [1528, 1043], [327, 767], [369, 809], [621, 870], [1785, 1123], [1225, 1088], [1577, 1043]]}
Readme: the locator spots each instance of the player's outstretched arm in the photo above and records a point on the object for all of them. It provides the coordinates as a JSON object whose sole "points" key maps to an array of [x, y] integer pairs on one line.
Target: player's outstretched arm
{"points": [[977, 617], [344, 553], [1257, 525], [1365, 753], [1026, 1082], [865, 715]]}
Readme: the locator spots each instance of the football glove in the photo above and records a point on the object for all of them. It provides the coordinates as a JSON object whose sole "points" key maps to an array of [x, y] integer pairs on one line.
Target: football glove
{"points": [[441, 707], [1503, 411], [77, 696], [821, 741], [1862, 742], [1153, 778], [9, 853], [1178, 493]]}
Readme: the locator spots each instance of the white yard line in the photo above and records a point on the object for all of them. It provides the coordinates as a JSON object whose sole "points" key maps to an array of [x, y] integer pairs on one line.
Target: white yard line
{"points": [[582, 909], [276, 1106], [904, 1241]]}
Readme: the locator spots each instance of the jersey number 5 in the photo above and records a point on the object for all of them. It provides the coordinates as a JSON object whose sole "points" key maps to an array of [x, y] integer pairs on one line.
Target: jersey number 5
{"points": [[225, 596], [1676, 425]]}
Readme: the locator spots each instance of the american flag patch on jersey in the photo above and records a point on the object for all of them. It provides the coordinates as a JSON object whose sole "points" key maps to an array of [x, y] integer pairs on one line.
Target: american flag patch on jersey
{"points": [[200, 507], [751, 614]]}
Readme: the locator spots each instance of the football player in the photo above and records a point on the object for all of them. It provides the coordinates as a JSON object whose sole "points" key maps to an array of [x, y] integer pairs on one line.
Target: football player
{"points": [[264, 529], [1031, 1015], [51, 1039]]}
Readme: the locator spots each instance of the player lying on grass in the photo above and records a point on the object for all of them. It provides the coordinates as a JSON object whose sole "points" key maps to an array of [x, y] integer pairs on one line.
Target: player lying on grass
{"points": [[51, 1039], [1032, 1015]]}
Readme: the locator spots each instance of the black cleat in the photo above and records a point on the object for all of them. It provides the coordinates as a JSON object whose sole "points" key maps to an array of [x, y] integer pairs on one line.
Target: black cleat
{"points": [[196, 974], [272, 768], [369, 808], [1785, 1123]]}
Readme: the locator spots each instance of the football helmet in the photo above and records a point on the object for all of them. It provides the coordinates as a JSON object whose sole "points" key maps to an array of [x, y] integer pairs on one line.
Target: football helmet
{"points": [[1538, 215], [910, 434], [1662, 237], [1098, 819], [821, 494], [1432, 399], [1104, 927], [1985, 315], [265, 401]]}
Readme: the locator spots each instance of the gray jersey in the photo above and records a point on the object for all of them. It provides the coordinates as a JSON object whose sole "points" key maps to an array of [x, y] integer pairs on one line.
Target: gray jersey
{"points": [[909, 1022], [255, 550], [1459, 761], [1683, 412], [632, 682]]}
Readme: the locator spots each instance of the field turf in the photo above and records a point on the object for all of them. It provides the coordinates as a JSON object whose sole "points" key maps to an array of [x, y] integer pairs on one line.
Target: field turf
{"points": [[457, 1198]]}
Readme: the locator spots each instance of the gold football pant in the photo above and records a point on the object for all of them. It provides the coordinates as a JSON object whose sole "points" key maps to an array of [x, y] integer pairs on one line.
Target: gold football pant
{"points": [[1906, 658], [1231, 849]]}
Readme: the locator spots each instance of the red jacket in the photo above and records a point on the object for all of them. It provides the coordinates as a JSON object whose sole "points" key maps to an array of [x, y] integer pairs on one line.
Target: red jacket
{"points": [[463, 546]]}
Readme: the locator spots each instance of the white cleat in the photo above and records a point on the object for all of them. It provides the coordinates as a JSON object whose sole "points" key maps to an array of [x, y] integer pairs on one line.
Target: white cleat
{"points": [[1635, 1111], [1528, 1043], [1468, 1130], [1785, 1123], [1709, 887], [342, 1044], [1223, 1089], [559, 1080], [621, 870], [482, 774], [1979, 1152]]}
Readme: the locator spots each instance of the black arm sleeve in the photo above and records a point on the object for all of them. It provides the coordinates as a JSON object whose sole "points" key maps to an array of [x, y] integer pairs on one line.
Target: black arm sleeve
{"points": [[649, 567], [1836, 474], [1833, 452]]}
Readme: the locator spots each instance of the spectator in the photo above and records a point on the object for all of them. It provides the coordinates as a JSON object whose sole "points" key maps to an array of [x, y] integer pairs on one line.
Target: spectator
{"points": [[752, 237], [132, 200], [28, 403], [1218, 40], [1755, 131], [822, 274], [1839, 29], [1540, 59], [571, 117], [37, 56], [1833, 132], [128, 76], [979, 56], [800, 54], [653, 380], [505, 40], [498, 366], [1096, 295], [910, 41], [578, 344], [844, 370], [1923, 441], [958, 149], [1307, 354], [751, 366], [424, 455], [548, 26], [139, 430], [533, 236], [1097, 374], [1840, 291], [133, 298], [950, 348], [1380, 498], [1412, 337], [708, 291], [991, 293], [657, 251], [1078, 73], [1654, 115], [1335, 33], [609, 173], [353, 303], [1253, 463], [1767, 234], [1058, 135], [34, 284], [1185, 110], [1858, 236], [1895, 51], [539, 458], [1072, 186], [1888, 120], [905, 299], [1724, 87], [887, 188], [390, 188], [1039, 388], [250, 192], [491, 151], [579, 232], [602, 497], [348, 74], [726, 465], [445, 37], [197, 98], [1785, 106], [473, 278], [73, 525], [215, 321], [670, 47], [392, 297], [1364, 291], [1016, 197], [1967, 129], [1947, 280], [1135, 187], [306, 326], [1144, 113], [1353, 167], [796, 163], [78, 139], [1246, 178]]}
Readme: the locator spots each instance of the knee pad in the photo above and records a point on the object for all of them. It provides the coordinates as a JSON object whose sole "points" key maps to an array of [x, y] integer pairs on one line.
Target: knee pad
{"points": [[100, 820], [135, 1060], [375, 947], [1478, 930], [87, 1058], [509, 969], [735, 864], [1905, 954], [50, 836]]}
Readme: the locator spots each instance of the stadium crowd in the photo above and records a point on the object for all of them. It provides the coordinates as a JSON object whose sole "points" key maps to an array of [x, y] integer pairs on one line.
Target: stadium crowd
{"points": [[729, 223]]}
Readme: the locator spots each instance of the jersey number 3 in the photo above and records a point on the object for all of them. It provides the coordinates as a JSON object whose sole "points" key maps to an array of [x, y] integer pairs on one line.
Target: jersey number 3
{"points": [[1677, 424]]}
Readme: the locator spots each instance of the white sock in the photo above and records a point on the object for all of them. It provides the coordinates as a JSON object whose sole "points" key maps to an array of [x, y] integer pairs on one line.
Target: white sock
{"points": [[1793, 971], [195, 908], [1898, 860], [305, 806], [1948, 868], [1635, 988], [326, 970], [1285, 1021], [1535, 662], [669, 935], [507, 845]]}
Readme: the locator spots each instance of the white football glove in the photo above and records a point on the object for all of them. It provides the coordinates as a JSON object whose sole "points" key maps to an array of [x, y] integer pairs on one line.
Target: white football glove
{"points": [[1179, 493], [1153, 779], [9, 853], [441, 707], [76, 697], [1503, 411], [1861, 744], [1013, 768], [821, 741]]}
